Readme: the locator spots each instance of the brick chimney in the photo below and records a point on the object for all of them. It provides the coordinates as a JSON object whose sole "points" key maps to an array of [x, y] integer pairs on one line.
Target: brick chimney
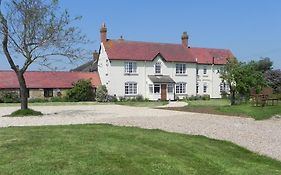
{"points": [[95, 55], [184, 39], [103, 33]]}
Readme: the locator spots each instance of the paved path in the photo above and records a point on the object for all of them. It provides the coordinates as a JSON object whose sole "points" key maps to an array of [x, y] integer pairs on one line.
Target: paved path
{"points": [[260, 136]]}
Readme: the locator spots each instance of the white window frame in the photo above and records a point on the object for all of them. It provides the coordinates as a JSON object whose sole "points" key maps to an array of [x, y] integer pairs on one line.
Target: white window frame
{"points": [[156, 85], [205, 70], [181, 88], [205, 88], [130, 67], [131, 88], [157, 68], [180, 69], [170, 88]]}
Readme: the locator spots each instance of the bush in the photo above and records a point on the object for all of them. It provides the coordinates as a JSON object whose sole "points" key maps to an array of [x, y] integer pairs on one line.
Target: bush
{"points": [[81, 91], [101, 94], [139, 98], [206, 97], [59, 99], [25, 112], [38, 100], [111, 98], [9, 97]]}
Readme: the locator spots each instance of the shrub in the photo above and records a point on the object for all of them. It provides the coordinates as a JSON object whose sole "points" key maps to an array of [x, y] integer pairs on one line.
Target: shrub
{"points": [[112, 98], [25, 112], [81, 91], [9, 97], [101, 94], [38, 100], [206, 97], [139, 98], [59, 99]]}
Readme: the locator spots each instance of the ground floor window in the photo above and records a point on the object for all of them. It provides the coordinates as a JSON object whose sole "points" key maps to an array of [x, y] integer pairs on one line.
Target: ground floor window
{"points": [[48, 93], [181, 88], [197, 88], [156, 89], [223, 87], [170, 88], [205, 88], [131, 88]]}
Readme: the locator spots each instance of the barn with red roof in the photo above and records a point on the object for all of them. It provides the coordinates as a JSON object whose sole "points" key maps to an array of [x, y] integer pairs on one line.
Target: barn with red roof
{"points": [[44, 84]]}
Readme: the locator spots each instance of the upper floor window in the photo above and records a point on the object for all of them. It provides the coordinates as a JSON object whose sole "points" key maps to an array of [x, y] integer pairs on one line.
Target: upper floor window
{"points": [[131, 88], [205, 70], [158, 68], [180, 88], [197, 71], [130, 67], [180, 68]]}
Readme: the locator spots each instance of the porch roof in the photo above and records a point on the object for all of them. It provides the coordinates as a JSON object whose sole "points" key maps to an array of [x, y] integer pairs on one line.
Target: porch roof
{"points": [[161, 79]]}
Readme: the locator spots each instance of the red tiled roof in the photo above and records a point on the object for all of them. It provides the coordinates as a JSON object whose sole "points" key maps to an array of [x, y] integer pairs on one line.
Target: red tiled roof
{"points": [[36, 79], [211, 56], [146, 51]]}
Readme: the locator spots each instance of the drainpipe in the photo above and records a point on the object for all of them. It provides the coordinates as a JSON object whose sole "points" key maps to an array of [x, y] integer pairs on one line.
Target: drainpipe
{"points": [[145, 82]]}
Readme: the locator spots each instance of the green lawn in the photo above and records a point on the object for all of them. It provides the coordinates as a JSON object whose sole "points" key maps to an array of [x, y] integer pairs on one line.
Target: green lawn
{"points": [[105, 149], [223, 107], [50, 104], [143, 104]]}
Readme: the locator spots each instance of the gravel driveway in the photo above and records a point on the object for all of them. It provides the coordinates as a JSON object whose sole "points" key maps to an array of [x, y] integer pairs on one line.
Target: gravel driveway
{"points": [[263, 137]]}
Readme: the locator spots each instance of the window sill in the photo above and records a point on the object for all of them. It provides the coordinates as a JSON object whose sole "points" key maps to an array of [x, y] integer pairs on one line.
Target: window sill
{"points": [[131, 95], [133, 74], [181, 74]]}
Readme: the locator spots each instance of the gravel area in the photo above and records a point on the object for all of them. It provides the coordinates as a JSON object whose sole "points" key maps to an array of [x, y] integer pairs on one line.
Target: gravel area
{"points": [[263, 137]]}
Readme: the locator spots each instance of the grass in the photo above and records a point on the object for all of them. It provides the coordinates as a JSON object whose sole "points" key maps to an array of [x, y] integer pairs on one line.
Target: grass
{"points": [[25, 112], [143, 104], [105, 149], [50, 104], [223, 107]]}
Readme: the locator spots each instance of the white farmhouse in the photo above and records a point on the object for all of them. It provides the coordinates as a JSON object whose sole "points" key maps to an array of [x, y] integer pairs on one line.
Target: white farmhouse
{"points": [[159, 70]]}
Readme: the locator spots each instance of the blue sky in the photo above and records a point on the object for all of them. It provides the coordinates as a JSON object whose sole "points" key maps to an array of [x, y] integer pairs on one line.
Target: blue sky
{"points": [[251, 29]]}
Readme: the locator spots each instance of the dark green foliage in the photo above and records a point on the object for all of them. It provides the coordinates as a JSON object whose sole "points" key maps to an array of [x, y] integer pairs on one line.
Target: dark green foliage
{"points": [[9, 97], [25, 112], [81, 91], [197, 97], [101, 93], [38, 100], [241, 77], [104, 149]]}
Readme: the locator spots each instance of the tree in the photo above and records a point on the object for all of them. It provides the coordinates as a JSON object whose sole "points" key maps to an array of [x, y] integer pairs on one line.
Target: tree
{"points": [[241, 77], [263, 65], [101, 93], [81, 91], [37, 31], [273, 78]]}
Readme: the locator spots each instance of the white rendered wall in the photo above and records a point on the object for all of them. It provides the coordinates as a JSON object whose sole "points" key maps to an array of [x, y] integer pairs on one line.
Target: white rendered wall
{"points": [[112, 75]]}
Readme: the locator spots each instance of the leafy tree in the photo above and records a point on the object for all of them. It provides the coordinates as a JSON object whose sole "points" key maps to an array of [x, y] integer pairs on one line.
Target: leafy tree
{"points": [[273, 78], [81, 91], [241, 77], [263, 65], [37, 31], [101, 93]]}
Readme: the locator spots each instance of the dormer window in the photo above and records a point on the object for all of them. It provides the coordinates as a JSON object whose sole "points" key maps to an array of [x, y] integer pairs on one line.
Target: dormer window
{"points": [[158, 68]]}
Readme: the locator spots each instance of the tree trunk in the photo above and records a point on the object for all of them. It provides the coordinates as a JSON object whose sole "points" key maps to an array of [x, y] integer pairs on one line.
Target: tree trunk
{"points": [[232, 98], [23, 91]]}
